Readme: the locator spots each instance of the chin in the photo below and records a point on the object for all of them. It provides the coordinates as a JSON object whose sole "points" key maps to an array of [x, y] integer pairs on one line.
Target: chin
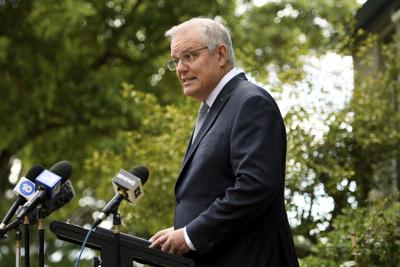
{"points": [[192, 94], [188, 91]]}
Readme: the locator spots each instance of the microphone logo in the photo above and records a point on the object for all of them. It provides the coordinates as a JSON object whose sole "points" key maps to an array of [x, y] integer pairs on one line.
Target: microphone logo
{"points": [[126, 179], [26, 188]]}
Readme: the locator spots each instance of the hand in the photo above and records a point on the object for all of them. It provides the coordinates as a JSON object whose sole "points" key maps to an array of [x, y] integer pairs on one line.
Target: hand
{"points": [[161, 233], [170, 241]]}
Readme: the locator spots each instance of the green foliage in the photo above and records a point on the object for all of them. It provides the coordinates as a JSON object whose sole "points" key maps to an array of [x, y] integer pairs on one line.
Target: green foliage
{"points": [[356, 165], [61, 96], [375, 102], [159, 144], [278, 35], [63, 64], [367, 236]]}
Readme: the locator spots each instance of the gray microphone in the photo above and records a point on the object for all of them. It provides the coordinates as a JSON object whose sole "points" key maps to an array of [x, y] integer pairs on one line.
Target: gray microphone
{"points": [[128, 186]]}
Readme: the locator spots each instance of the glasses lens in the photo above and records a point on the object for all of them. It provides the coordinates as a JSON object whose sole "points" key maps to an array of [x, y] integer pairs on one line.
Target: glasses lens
{"points": [[171, 65], [187, 58]]}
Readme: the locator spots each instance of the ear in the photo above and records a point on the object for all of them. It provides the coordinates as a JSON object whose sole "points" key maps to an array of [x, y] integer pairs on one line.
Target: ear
{"points": [[222, 55]]}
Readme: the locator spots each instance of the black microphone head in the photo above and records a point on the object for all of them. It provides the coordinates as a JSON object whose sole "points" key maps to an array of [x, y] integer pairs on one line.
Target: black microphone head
{"points": [[34, 172], [141, 172], [66, 194], [63, 169]]}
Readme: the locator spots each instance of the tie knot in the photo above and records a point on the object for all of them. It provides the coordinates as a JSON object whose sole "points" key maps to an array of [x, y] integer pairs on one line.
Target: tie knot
{"points": [[204, 108]]}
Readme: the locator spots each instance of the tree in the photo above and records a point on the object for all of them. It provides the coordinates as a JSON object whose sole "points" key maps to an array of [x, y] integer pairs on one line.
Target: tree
{"points": [[62, 68], [64, 64], [355, 166], [91, 79], [365, 236]]}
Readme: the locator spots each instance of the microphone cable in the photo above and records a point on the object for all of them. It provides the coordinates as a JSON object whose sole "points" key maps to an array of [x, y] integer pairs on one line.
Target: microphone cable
{"points": [[83, 247]]}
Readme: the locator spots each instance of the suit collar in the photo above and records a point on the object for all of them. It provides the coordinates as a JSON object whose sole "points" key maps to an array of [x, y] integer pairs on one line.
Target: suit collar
{"points": [[227, 77]]}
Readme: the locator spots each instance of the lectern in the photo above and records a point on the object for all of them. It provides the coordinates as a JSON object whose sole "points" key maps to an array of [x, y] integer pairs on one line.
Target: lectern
{"points": [[131, 248]]}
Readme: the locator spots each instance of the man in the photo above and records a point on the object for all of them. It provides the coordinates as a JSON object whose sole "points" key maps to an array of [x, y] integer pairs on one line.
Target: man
{"points": [[230, 207]]}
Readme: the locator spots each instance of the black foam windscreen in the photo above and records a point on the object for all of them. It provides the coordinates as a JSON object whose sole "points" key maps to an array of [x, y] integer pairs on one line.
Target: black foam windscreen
{"points": [[63, 169], [141, 172], [66, 194]]}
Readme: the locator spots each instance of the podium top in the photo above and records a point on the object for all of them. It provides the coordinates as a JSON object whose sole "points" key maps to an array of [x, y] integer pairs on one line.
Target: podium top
{"points": [[131, 248]]}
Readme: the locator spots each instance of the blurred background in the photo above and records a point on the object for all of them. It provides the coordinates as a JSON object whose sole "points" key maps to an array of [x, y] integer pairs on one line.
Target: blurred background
{"points": [[86, 81]]}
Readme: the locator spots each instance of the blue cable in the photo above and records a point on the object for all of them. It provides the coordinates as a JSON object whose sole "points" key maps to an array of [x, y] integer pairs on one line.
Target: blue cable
{"points": [[83, 247]]}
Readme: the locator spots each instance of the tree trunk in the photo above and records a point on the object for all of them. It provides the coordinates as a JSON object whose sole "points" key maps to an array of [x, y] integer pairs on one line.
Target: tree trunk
{"points": [[5, 156]]}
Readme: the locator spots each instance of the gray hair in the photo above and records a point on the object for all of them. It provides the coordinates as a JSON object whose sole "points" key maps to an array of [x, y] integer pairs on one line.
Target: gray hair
{"points": [[213, 34]]}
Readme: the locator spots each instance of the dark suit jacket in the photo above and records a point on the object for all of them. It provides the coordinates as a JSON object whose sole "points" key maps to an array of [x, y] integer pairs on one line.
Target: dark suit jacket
{"points": [[230, 191]]}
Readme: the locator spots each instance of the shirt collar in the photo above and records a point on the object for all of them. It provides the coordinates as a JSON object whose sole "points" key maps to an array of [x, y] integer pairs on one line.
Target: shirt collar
{"points": [[227, 77]]}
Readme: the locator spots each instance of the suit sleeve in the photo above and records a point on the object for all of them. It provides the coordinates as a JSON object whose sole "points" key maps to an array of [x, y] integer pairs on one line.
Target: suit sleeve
{"points": [[257, 155]]}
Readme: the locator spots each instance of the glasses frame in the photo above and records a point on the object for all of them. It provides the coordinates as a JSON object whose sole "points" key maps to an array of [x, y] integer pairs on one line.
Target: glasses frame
{"points": [[185, 58]]}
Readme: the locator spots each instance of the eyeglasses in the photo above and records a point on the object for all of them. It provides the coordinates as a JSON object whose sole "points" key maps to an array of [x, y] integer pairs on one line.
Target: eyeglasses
{"points": [[185, 58]]}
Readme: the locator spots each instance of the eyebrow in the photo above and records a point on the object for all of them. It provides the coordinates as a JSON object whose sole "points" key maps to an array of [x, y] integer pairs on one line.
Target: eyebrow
{"points": [[188, 50]]}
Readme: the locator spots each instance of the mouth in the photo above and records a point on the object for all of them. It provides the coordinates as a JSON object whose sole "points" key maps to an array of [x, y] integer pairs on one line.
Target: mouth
{"points": [[187, 80]]}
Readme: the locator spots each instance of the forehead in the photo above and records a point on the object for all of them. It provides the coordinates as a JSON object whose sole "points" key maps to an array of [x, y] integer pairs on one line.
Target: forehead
{"points": [[185, 41]]}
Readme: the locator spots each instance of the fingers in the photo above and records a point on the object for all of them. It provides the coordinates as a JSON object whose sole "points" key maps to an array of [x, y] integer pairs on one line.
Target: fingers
{"points": [[155, 237], [161, 233], [168, 246], [158, 241], [170, 241]]}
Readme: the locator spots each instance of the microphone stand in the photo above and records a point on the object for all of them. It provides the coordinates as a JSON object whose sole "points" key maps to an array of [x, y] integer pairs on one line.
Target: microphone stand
{"points": [[26, 240], [41, 217], [17, 247], [117, 234]]}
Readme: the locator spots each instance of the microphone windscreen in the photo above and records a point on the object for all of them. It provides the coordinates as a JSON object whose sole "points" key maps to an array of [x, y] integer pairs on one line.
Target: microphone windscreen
{"points": [[34, 172], [66, 194], [141, 172], [63, 169]]}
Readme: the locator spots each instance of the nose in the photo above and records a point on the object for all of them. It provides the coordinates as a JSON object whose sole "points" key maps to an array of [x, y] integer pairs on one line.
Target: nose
{"points": [[181, 66]]}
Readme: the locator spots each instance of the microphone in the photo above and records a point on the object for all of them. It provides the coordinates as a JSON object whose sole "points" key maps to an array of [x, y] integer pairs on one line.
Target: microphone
{"points": [[66, 194], [48, 184], [127, 185], [24, 190], [132, 185]]}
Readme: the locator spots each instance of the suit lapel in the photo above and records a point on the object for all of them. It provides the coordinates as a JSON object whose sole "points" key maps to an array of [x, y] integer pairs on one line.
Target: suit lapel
{"points": [[213, 113], [188, 145]]}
